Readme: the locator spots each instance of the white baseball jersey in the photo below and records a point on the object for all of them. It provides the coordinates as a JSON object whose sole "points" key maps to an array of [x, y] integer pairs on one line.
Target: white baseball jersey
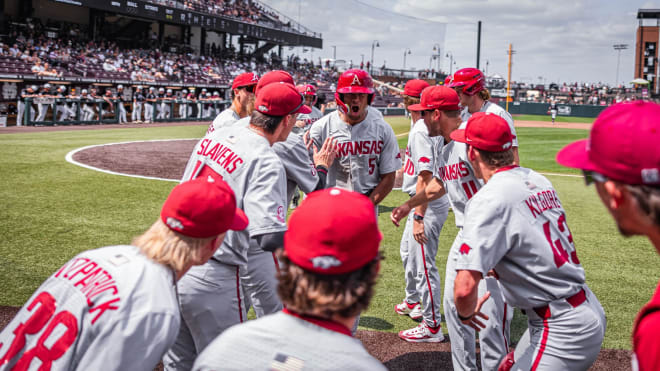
{"points": [[283, 341], [457, 175], [498, 110], [517, 225], [226, 118], [309, 119], [246, 161], [420, 156], [106, 309], [365, 150]]}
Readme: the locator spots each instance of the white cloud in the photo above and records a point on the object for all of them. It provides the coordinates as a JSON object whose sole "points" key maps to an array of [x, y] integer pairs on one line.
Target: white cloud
{"points": [[569, 40]]}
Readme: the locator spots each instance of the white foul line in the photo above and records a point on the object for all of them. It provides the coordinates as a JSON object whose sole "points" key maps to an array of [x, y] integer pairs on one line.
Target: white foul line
{"points": [[402, 134], [69, 158]]}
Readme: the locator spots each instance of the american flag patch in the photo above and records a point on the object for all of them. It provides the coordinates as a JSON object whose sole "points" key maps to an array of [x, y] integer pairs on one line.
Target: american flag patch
{"points": [[283, 362]]}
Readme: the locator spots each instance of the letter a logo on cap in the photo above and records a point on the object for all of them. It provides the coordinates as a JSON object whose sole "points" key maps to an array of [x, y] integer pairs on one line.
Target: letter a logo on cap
{"points": [[356, 80]]}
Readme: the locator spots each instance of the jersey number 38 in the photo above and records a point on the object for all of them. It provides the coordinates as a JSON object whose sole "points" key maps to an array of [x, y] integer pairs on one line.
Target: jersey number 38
{"points": [[43, 315]]}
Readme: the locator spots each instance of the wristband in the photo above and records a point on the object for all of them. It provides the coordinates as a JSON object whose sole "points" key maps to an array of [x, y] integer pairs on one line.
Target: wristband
{"points": [[465, 318], [322, 168], [418, 217]]}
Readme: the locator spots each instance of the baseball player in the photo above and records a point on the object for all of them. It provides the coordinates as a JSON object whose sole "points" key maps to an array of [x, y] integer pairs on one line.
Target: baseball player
{"points": [[368, 154], [330, 265], [107, 107], [115, 308], [29, 92], [305, 121], [242, 101], [62, 109], [138, 102], [43, 107], [201, 97], [412, 93], [160, 106], [470, 84], [210, 296], [455, 176], [516, 228], [149, 105], [627, 179], [419, 243], [553, 109], [191, 99], [120, 103], [183, 104], [86, 106]]}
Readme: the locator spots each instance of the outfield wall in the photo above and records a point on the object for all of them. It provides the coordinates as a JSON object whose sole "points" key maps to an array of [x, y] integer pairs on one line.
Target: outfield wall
{"points": [[575, 110]]}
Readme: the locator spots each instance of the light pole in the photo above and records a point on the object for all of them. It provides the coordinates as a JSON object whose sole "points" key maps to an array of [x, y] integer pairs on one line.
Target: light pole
{"points": [[619, 48], [451, 62], [362, 58], [374, 44], [334, 52], [405, 53], [436, 49], [487, 63]]}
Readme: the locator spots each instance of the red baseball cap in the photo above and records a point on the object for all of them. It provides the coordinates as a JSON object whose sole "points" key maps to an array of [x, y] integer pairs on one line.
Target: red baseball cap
{"points": [[486, 131], [623, 145], [245, 79], [437, 97], [326, 237], [203, 207], [274, 76], [280, 99], [414, 88]]}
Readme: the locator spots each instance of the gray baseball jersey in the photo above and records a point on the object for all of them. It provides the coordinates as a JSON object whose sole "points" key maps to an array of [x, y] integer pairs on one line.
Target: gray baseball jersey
{"points": [[457, 175], [246, 161], [226, 118], [309, 119], [283, 341], [366, 150], [106, 309], [498, 110], [517, 225]]}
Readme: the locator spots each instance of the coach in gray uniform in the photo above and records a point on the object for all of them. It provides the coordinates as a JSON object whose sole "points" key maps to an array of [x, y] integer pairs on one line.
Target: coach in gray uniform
{"points": [[210, 298], [329, 269]]}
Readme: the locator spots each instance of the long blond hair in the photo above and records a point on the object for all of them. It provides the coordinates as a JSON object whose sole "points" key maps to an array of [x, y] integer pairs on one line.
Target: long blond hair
{"points": [[164, 246]]}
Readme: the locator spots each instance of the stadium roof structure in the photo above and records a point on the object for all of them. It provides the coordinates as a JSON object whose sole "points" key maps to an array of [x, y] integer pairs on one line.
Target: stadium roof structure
{"points": [[648, 14]]}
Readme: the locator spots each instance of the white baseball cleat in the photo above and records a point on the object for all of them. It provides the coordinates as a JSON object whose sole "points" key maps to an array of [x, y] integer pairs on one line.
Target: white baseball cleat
{"points": [[423, 334], [413, 310]]}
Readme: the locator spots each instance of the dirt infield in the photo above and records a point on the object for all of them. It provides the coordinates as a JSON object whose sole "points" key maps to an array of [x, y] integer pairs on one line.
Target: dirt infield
{"points": [[387, 347]]}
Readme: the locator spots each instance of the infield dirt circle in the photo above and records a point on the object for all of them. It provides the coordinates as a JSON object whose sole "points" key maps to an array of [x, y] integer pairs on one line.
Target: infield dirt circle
{"points": [[135, 159]]}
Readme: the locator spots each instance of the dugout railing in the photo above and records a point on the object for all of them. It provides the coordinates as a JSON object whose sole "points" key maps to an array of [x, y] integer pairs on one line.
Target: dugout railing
{"points": [[96, 111]]}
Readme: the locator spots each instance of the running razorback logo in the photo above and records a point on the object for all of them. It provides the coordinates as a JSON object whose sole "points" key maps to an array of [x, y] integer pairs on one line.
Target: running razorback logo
{"points": [[465, 249], [325, 262], [425, 160]]}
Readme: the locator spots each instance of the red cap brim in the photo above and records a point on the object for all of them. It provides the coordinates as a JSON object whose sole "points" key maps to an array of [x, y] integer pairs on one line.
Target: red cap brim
{"points": [[240, 221], [459, 135], [304, 109], [416, 107], [575, 155]]}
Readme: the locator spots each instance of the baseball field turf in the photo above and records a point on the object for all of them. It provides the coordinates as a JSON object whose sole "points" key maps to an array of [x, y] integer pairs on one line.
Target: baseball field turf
{"points": [[51, 210]]}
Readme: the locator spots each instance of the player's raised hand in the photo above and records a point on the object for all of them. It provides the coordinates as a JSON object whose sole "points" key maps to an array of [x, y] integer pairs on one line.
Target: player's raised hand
{"points": [[326, 156], [399, 213], [475, 321]]}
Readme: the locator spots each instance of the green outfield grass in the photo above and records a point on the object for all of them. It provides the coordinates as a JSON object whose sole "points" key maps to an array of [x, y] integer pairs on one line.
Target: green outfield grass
{"points": [[51, 210], [548, 118]]}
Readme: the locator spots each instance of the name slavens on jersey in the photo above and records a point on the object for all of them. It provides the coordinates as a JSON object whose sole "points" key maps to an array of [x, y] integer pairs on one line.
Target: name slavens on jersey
{"points": [[220, 154], [454, 171], [364, 147], [92, 280]]}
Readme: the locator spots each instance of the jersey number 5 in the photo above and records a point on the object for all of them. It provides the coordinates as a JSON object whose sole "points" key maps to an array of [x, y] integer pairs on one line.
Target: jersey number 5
{"points": [[560, 254], [42, 309], [372, 165]]}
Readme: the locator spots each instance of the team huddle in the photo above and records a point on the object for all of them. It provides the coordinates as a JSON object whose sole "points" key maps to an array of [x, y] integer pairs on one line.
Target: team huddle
{"points": [[180, 292]]}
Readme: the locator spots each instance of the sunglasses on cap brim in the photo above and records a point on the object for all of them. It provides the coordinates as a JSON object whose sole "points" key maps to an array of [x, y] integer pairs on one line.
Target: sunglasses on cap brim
{"points": [[591, 176], [302, 101], [248, 88]]}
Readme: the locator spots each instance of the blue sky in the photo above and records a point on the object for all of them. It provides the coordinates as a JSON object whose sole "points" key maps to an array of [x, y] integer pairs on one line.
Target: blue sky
{"points": [[555, 41]]}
